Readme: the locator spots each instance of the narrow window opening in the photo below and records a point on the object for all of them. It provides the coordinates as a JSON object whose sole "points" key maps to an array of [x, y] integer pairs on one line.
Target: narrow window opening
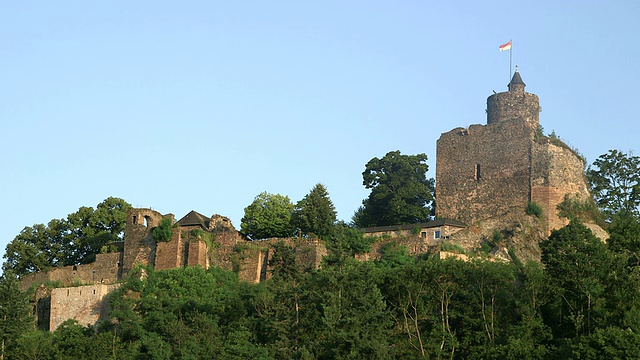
{"points": [[477, 175], [67, 292], [436, 234], [146, 221], [94, 292], [135, 219], [423, 234]]}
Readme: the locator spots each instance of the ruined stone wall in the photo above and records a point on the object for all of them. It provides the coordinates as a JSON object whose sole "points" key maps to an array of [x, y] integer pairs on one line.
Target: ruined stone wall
{"points": [[197, 254], [309, 252], [251, 258], [556, 171], [104, 270], [139, 246], [224, 245], [83, 303], [170, 254], [483, 171], [42, 307], [252, 262]]}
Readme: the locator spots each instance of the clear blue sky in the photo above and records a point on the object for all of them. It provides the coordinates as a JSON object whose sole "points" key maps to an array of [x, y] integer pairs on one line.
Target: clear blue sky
{"points": [[204, 104]]}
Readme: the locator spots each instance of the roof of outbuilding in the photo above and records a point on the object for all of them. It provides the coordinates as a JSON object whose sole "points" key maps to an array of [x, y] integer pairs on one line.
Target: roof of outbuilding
{"points": [[194, 218]]}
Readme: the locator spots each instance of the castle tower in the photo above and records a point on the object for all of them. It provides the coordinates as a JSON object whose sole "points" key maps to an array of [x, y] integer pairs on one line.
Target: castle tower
{"points": [[514, 104], [488, 171], [139, 246]]}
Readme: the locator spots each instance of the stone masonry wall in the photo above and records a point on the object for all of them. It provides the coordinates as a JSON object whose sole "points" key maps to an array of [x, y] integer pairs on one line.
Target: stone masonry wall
{"points": [[104, 270], [139, 246], [225, 243], [252, 258], [507, 106], [252, 263], [83, 303], [170, 254], [556, 171], [483, 171], [197, 254]]}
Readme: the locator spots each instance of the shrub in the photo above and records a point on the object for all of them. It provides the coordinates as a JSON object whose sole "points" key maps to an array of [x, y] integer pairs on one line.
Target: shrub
{"points": [[450, 247], [585, 211], [534, 209], [163, 231]]}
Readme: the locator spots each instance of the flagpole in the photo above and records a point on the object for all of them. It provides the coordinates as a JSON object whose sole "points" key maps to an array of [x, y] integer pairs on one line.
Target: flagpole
{"points": [[510, 54]]}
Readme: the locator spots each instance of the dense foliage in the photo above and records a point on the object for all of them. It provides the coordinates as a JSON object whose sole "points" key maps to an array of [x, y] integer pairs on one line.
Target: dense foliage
{"points": [[315, 213], [614, 181], [163, 231], [583, 303], [269, 215], [70, 241], [15, 312], [400, 191]]}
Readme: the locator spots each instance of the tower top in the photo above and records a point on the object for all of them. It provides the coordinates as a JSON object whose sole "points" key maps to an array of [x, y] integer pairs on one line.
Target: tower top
{"points": [[513, 104], [516, 84]]}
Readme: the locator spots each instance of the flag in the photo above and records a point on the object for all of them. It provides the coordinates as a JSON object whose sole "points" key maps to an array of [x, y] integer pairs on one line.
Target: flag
{"points": [[505, 47]]}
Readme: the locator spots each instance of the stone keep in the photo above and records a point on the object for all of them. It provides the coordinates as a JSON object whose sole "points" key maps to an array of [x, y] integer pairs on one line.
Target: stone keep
{"points": [[486, 171]]}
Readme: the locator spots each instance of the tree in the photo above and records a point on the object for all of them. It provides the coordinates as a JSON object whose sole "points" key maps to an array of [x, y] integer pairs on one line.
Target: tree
{"points": [[269, 215], [400, 191], [345, 242], [578, 266], [624, 236], [283, 263], [315, 213], [71, 241], [279, 307], [15, 312], [94, 231], [35, 249], [614, 181], [352, 321]]}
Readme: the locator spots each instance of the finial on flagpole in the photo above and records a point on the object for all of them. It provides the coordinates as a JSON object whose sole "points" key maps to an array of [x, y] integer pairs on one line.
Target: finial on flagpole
{"points": [[516, 68]]}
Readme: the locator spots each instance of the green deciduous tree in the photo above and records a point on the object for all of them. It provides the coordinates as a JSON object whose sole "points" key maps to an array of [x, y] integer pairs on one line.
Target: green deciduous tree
{"points": [[400, 191], [614, 181], [34, 249], [74, 240], [608, 343], [34, 345], [624, 236], [315, 213], [269, 215]]}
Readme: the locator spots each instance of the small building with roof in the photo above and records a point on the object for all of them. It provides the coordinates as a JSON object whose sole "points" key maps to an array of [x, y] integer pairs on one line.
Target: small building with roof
{"points": [[432, 232]]}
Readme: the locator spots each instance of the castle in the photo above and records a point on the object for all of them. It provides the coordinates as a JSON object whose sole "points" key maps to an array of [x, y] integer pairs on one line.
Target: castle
{"points": [[487, 171], [483, 172], [195, 240]]}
